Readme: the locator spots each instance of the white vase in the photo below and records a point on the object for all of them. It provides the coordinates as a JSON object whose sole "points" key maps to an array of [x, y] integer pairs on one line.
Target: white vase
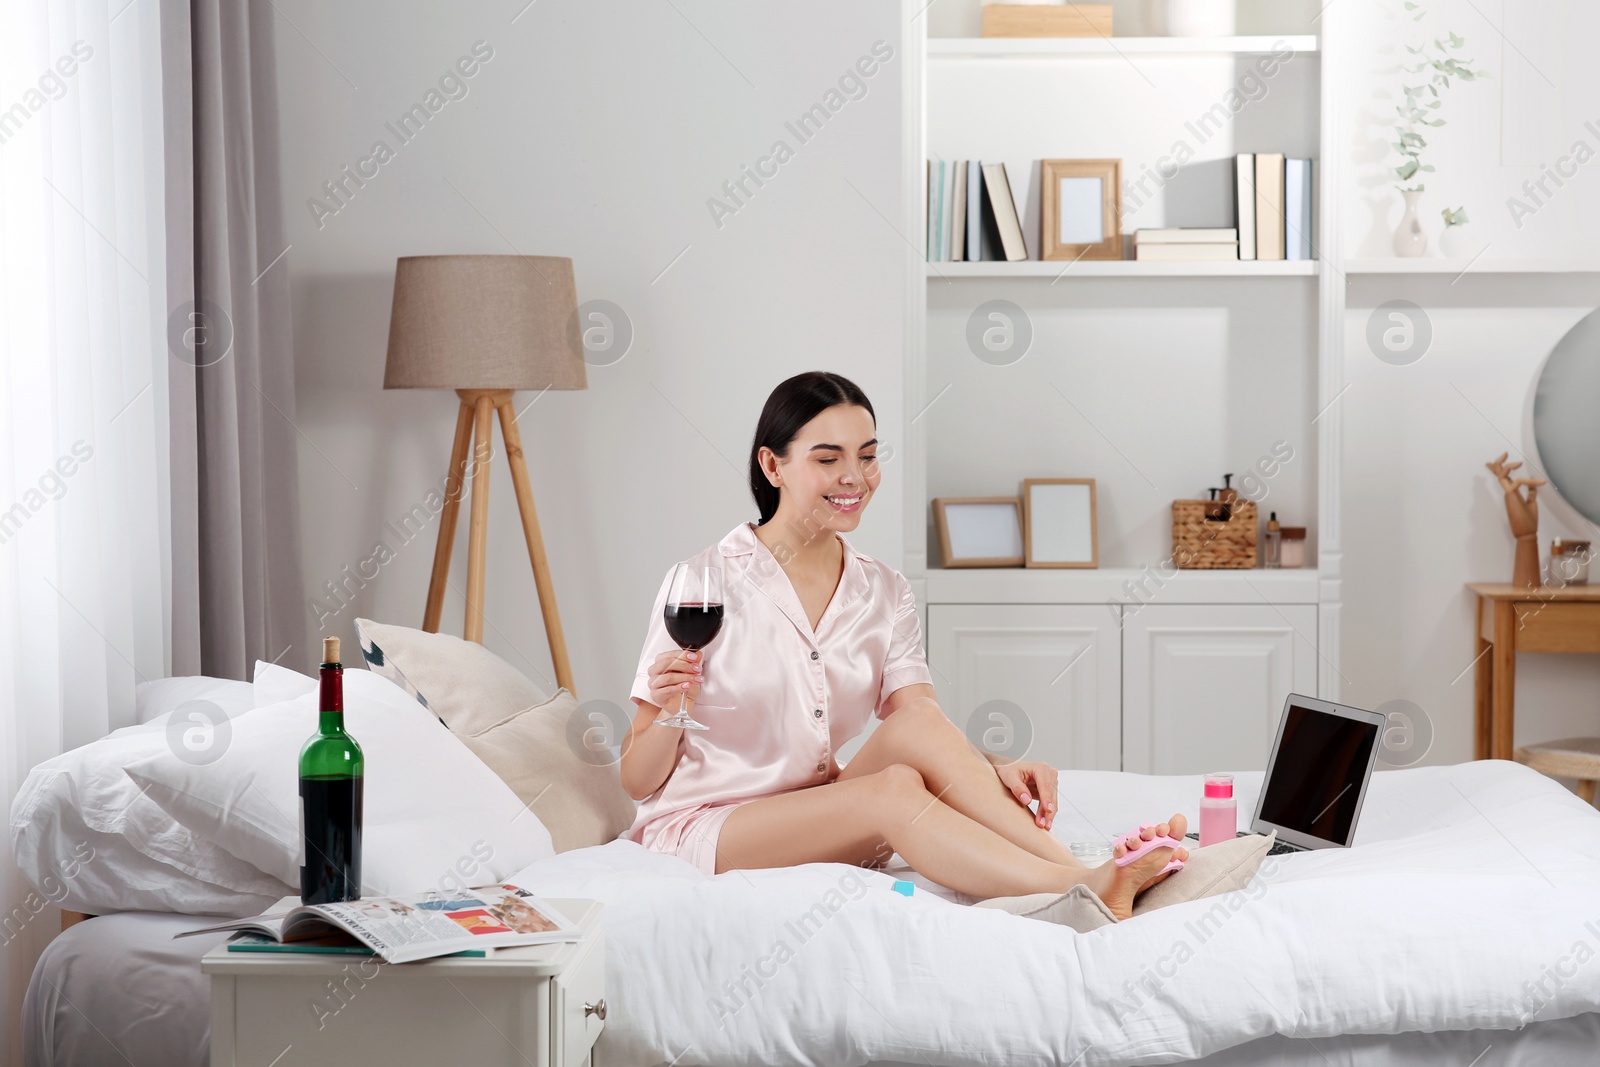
{"points": [[1192, 18], [1409, 240], [1458, 241]]}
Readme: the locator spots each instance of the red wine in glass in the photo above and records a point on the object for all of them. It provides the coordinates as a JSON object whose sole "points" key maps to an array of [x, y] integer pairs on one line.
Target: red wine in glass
{"points": [[693, 625], [693, 615]]}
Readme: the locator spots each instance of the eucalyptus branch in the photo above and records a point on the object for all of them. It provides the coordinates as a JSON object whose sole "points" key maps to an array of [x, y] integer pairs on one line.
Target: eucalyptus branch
{"points": [[1424, 99]]}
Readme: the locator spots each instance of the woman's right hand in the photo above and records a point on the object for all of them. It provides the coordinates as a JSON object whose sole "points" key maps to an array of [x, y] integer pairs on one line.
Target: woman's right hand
{"points": [[674, 675]]}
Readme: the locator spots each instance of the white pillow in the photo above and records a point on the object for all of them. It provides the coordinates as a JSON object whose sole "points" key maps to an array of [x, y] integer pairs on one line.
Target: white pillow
{"points": [[88, 840], [274, 684], [430, 804], [163, 694]]}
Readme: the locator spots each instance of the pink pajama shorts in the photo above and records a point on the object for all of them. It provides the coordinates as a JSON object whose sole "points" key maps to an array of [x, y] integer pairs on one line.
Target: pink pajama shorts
{"points": [[689, 834]]}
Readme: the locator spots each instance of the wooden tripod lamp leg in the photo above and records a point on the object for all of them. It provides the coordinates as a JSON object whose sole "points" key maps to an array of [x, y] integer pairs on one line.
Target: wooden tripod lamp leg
{"points": [[530, 527], [447, 520], [478, 532]]}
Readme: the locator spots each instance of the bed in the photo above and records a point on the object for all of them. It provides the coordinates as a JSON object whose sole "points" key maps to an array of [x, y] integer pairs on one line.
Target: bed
{"points": [[1462, 928]]}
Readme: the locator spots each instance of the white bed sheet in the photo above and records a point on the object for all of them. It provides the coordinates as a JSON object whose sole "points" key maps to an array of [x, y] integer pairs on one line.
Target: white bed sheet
{"points": [[1469, 885], [122, 991], [117, 990], [1383, 939]]}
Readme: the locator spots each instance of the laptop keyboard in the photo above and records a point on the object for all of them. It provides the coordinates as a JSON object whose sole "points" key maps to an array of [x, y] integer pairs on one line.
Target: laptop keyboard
{"points": [[1279, 847]]}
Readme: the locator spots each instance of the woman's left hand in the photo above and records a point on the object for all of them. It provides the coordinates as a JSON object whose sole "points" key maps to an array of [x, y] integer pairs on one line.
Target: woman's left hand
{"points": [[1028, 780]]}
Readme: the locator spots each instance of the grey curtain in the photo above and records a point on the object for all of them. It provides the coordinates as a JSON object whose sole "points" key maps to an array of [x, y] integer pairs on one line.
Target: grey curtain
{"points": [[234, 497]]}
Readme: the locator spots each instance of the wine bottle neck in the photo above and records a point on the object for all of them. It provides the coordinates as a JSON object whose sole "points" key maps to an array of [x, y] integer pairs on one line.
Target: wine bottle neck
{"points": [[331, 700]]}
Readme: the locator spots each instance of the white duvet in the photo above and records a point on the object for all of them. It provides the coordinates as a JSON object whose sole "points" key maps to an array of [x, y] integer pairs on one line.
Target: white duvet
{"points": [[1471, 900]]}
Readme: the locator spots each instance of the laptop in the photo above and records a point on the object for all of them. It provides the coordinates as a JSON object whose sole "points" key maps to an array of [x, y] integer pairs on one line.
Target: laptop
{"points": [[1317, 776]]}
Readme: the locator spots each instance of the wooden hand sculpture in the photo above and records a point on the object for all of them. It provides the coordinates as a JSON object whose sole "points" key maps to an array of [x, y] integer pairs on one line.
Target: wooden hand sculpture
{"points": [[1523, 511]]}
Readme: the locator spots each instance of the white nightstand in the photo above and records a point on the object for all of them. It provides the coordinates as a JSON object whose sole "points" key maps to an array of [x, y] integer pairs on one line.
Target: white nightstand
{"points": [[538, 1006]]}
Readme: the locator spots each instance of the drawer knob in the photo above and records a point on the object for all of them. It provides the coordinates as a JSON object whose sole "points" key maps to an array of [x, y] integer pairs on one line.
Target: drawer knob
{"points": [[598, 1009]]}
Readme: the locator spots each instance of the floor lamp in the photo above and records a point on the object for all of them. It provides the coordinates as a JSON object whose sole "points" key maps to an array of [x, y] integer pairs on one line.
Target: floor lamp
{"points": [[486, 326]]}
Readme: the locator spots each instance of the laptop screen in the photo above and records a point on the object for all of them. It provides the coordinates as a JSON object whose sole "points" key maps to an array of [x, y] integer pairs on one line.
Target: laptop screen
{"points": [[1318, 773]]}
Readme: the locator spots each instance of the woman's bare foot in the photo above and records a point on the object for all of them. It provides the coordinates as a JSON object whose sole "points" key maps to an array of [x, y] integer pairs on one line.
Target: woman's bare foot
{"points": [[1117, 886]]}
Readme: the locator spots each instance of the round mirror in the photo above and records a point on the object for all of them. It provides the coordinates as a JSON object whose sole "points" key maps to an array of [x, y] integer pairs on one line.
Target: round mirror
{"points": [[1566, 416]]}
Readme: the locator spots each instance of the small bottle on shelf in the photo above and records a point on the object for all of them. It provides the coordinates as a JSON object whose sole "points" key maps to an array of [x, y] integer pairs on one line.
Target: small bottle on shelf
{"points": [[1292, 553], [1272, 546], [332, 777]]}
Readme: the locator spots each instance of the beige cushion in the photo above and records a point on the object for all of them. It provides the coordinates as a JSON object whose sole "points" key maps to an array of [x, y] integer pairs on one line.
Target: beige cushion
{"points": [[1219, 868], [466, 685], [577, 796], [1078, 908]]}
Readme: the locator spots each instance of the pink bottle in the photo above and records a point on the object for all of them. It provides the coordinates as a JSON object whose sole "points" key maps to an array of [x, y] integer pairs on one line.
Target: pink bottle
{"points": [[1219, 814]]}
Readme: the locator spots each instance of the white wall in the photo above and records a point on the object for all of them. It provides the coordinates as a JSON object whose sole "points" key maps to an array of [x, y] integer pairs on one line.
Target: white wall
{"points": [[1422, 516], [596, 131], [1498, 133], [1154, 388]]}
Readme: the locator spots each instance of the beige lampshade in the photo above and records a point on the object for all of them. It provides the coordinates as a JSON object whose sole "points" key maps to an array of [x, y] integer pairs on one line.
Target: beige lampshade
{"points": [[484, 322]]}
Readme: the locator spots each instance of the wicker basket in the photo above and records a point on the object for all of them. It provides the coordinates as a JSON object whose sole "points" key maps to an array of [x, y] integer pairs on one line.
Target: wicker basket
{"points": [[1198, 544]]}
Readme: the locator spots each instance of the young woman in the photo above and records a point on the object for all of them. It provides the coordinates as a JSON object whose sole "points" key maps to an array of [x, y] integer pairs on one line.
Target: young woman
{"points": [[816, 637]]}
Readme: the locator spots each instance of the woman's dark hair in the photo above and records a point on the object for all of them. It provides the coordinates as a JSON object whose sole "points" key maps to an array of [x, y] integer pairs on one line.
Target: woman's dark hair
{"points": [[792, 404]]}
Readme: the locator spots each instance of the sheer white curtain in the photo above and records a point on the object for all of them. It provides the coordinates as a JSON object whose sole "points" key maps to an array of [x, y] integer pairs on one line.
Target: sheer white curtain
{"points": [[84, 590]]}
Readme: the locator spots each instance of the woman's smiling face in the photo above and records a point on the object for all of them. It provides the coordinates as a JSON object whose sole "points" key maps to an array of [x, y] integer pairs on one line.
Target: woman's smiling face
{"points": [[831, 470]]}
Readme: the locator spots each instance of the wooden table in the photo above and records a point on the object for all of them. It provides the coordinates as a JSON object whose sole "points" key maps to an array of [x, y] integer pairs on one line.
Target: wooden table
{"points": [[1514, 619]]}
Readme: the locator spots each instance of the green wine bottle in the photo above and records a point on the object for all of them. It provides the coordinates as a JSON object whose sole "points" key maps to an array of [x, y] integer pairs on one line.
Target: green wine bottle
{"points": [[331, 778]]}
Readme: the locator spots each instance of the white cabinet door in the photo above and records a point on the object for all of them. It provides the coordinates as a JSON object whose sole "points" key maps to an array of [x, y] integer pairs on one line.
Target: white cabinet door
{"points": [[1203, 685], [1035, 681]]}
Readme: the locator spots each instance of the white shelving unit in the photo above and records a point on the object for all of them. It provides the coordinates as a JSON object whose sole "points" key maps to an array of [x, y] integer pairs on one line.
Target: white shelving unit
{"points": [[1480, 265], [1119, 586], [1124, 268], [1012, 47], [1237, 641]]}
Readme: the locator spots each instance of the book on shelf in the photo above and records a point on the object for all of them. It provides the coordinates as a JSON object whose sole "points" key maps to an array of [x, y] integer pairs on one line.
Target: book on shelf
{"points": [[1192, 235], [403, 929], [1297, 208], [958, 213], [974, 240], [948, 248], [1274, 199], [997, 187], [1244, 187], [1269, 205], [972, 214], [1189, 252]]}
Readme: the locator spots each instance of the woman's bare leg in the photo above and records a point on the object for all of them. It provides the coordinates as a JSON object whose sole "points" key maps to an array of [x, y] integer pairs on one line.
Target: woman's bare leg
{"points": [[921, 736], [860, 820]]}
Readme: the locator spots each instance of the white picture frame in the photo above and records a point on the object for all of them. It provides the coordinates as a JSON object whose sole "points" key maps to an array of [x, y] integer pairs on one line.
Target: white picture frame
{"points": [[1060, 523]]}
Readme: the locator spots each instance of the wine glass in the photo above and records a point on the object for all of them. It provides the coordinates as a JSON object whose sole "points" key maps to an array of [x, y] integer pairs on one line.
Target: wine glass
{"points": [[693, 614]]}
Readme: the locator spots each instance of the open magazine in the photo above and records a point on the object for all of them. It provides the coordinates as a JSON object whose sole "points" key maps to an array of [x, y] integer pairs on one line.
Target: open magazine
{"points": [[416, 928]]}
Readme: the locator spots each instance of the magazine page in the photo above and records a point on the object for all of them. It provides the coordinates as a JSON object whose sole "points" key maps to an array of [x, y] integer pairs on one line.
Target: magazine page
{"points": [[435, 925], [269, 923]]}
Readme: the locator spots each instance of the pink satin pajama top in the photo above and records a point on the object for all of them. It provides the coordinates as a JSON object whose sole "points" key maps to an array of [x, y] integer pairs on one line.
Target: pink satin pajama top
{"points": [[778, 698]]}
